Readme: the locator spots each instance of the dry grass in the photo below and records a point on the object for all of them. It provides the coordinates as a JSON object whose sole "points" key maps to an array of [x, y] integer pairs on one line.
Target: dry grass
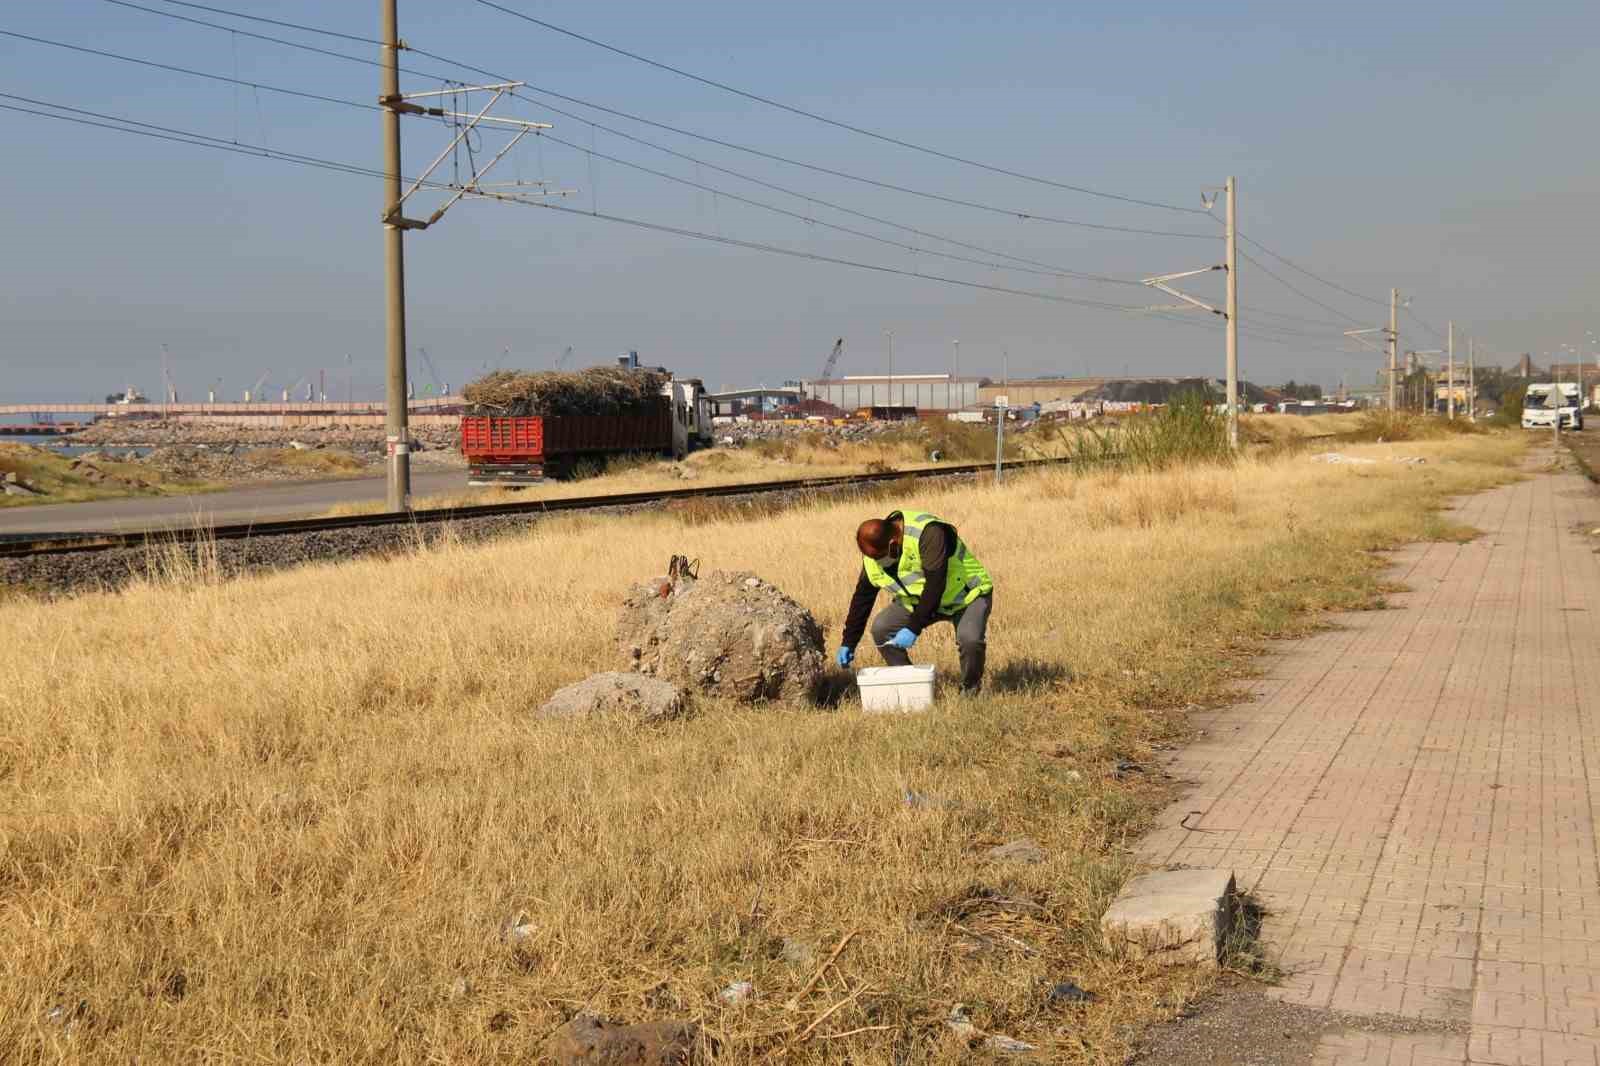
{"points": [[275, 819], [53, 473], [787, 459], [1278, 429], [309, 462]]}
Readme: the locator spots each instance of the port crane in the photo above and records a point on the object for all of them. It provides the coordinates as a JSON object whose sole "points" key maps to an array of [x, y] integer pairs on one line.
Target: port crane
{"points": [[833, 360], [169, 390], [254, 391], [426, 358]]}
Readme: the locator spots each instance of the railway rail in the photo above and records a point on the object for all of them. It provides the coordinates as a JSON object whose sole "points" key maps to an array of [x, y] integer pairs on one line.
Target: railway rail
{"points": [[55, 544]]}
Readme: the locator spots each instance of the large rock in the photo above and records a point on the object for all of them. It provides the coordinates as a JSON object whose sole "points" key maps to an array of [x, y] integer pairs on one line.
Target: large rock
{"points": [[726, 634], [646, 699], [589, 1040], [1173, 916]]}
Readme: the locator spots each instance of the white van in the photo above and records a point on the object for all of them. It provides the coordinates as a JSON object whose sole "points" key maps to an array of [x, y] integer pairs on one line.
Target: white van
{"points": [[1545, 405]]}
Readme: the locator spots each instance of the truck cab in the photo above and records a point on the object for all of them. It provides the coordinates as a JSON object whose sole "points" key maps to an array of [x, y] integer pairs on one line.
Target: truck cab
{"points": [[1547, 405], [691, 414]]}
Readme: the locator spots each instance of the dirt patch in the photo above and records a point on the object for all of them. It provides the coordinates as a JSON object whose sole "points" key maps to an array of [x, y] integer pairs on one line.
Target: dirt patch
{"points": [[1585, 448], [1240, 1025]]}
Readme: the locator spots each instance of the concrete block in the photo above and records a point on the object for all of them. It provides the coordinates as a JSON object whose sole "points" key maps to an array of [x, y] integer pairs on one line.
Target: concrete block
{"points": [[1176, 917]]}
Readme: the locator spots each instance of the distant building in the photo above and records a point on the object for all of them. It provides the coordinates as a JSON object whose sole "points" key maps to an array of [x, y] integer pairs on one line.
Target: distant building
{"points": [[757, 401], [925, 392]]}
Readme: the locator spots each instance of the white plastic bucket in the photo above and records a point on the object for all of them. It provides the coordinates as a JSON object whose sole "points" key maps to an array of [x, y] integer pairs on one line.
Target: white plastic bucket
{"points": [[895, 688]]}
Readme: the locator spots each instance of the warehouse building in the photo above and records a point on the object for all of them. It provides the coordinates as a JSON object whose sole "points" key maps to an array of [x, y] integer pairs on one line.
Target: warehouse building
{"points": [[925, 392]]}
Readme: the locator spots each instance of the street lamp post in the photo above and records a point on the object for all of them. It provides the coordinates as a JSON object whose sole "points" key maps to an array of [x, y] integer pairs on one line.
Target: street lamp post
{"points": [[889, 333]]}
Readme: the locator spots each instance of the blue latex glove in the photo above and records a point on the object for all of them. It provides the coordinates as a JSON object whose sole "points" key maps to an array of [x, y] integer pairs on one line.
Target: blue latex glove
{"points": [[903, 639], [845, 655]]}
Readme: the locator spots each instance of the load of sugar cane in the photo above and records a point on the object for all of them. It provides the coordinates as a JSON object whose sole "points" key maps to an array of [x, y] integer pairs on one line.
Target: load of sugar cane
{"points": [[595, 391]]}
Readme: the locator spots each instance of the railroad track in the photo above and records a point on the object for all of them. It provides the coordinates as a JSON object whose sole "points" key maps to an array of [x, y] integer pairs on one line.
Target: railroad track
{"points": [[56, 544]]}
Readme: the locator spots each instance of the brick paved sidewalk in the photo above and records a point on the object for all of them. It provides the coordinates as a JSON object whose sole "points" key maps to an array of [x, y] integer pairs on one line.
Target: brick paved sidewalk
{"points": [[1413, 796]]}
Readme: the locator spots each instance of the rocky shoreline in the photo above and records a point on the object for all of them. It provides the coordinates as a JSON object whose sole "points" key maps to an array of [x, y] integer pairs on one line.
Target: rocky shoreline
{"points": [[118, 433]]}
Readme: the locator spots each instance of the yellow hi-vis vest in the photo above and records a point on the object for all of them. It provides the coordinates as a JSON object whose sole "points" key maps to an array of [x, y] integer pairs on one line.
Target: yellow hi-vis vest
{"points": [[966, 578]]}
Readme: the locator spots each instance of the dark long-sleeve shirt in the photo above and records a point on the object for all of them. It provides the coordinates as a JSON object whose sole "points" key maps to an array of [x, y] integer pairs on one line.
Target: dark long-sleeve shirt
{"points": [[934, 545]]}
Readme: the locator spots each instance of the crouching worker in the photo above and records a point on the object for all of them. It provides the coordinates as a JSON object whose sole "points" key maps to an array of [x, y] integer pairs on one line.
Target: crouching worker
{"points": [[933, 578]]}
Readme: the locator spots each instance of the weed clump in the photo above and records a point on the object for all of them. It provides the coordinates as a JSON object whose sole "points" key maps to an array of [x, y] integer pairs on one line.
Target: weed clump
{"points": [[1189, 431], [1391, 426]]}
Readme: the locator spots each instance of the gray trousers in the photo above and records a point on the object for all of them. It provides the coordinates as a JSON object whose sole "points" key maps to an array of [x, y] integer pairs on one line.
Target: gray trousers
{"points": [[972, 633]]}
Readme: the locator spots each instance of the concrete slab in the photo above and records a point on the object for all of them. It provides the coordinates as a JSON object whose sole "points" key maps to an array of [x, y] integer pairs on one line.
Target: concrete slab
{"points": [[1173, 916]]}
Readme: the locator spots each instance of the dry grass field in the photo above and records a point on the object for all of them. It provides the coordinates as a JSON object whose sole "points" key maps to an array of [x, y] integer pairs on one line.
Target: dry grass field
{"points": [[61, 483], [287, 819], [787, 459]]}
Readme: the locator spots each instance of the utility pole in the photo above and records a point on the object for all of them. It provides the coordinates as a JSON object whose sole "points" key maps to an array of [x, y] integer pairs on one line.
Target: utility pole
{"points": [[1472, 379], [395, 421], [1394, 343], [1450, 402], [955, 360], [1233, 319]]}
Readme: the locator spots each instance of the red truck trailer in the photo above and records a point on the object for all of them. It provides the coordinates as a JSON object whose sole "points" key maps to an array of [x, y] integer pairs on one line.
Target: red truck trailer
{"points": [[524, 449]]}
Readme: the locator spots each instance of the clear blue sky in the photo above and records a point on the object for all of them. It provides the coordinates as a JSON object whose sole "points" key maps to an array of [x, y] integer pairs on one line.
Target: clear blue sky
{"points": [[1449, 151]]}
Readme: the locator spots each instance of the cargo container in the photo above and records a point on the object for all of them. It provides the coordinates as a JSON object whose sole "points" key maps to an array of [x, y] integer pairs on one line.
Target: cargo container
{"points": [[525, 449]]}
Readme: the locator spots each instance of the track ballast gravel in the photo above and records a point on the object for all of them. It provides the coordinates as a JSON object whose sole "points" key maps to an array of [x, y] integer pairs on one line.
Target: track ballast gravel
{"points": [[109, 569]]}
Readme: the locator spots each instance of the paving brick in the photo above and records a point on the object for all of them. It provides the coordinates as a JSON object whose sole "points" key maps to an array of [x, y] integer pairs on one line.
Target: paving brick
{"points": [[1415, 794]]}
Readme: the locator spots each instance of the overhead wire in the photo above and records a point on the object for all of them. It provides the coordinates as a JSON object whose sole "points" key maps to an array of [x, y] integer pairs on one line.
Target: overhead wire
{"points": [[101, 120], [1295, 266], [1063, 271], [132, 126], [530, 93], [275, 22], [1047, 269], [1295, 289], [189, 71], [714, 190], [247, 33], [874, 134], [1438, 334], [1021, 214]]}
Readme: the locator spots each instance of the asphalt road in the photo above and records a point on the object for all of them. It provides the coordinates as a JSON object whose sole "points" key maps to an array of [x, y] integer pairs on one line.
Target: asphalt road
{"points": [[254, 503]]}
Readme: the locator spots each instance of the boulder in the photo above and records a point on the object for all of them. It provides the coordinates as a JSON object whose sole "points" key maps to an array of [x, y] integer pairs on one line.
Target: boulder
{"points": [[644, 699], [588, 1040], [727, 634], [1173, 917]]}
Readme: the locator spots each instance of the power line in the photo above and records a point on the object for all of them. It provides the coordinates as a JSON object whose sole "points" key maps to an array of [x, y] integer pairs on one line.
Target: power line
{"points": [[1309, 274], [830, 121], [1297, 291], [190, 137], [1051, 271], [1438, 335], [276, 22], [1021, 214], [1293, 318], [186, 70], [167, 133], [119, 124], [956, 201], [1046, 267], [247, 33], [595, 154]]}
